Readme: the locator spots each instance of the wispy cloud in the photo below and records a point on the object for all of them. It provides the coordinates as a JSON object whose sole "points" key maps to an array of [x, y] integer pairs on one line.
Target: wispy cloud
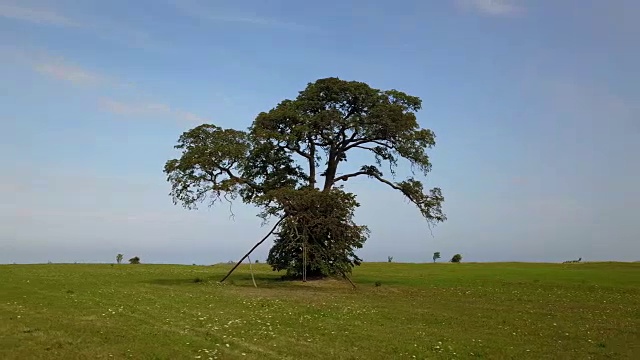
{"points": [[191, 117], [60, 69], [144, 109], [36, 15], [196, 10], [69, 73], [9, 188], [138, 109], [593, 103], [43, 14], [103, 216], [491, 7]]}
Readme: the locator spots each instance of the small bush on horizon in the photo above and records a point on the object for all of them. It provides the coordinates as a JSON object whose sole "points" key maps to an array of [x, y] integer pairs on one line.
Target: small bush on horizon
{"points": [[456, 258], [134, 260], [572, 261]]}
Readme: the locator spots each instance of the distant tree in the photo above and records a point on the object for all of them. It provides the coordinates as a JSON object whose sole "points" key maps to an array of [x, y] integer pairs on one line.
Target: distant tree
{"points": [[276, 164], [134, 260], [456, 258], [389, 258], [119, 258], [257, 261], [436, 256]]}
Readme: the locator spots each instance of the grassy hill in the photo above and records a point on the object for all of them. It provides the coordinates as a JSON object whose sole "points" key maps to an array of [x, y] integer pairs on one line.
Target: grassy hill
{"points": [[434, 311]]}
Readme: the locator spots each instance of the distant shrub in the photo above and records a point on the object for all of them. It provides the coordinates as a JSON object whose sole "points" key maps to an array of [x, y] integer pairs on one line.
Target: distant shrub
{"points": [[572, 261], [456, 258], [134, 260], [257, 261], [389, 258], [436, 256], [378, 284], [119, 258], [198, 280]]}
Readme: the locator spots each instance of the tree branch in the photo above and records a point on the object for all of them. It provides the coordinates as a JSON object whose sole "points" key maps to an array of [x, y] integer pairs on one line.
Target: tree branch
{"points": [[297, 151], [239, 179], [423, 201], [357, 142], [254, 247], [363, 148], [347, 176]]}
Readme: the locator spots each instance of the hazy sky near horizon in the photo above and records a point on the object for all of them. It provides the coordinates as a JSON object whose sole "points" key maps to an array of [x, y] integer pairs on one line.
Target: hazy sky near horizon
{"points": [[535, 105]]}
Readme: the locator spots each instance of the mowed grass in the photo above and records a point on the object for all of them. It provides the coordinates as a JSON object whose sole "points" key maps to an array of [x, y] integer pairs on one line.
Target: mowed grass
{"points": [[424, 311]]}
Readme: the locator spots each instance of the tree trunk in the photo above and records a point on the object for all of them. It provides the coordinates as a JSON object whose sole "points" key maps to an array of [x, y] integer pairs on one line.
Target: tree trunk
{"points": [[330, 174], [312, 163]]}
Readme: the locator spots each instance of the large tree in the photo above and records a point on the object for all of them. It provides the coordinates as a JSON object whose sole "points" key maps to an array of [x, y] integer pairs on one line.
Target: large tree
{"points": [[287, 162]]}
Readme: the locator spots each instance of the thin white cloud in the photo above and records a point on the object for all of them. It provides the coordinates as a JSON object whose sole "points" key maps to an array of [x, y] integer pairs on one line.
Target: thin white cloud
{"points": [[81, 214], [491, 7], [196, 10], [191, 117], [138, 109], [149, 109], [596, 103], [42, 14], [69, 73], [36, 15], [11, 187], [60, 69]]}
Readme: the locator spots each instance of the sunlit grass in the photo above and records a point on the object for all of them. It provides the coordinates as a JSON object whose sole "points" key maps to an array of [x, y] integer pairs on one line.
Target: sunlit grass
{"points": [[515, 310]]}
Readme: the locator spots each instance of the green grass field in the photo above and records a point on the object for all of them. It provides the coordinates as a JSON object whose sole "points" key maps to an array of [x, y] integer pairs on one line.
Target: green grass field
{"points": [[423, 311]]}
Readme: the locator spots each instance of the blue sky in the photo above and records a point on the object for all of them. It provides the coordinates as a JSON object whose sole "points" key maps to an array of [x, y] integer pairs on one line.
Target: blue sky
{"points": [[535, 105]]}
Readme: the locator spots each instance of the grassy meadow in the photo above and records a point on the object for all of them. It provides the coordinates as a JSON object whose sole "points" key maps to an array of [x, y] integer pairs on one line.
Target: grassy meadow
{"points": [[418, 311]]}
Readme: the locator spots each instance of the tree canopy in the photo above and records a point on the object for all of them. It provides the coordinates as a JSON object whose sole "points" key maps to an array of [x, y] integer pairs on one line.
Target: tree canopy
{"points": [[286, 163]]}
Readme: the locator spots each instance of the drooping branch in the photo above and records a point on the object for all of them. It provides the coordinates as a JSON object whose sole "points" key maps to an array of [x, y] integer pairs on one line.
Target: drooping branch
{"points": [[430, 205]]}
